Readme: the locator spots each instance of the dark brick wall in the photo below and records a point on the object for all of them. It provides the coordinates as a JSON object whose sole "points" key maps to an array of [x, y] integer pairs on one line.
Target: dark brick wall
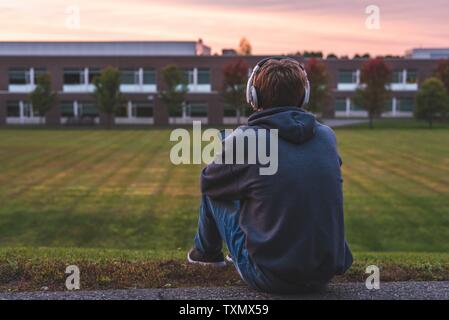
{"points": [[55, 66]]}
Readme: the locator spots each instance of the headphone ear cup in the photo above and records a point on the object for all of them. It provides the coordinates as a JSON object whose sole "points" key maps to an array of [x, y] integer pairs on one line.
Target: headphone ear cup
{"points": [[254, 99], [306, 94]]}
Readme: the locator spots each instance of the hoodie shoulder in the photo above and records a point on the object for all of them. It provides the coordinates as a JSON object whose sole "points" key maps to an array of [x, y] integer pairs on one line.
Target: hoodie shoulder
{"points": [[325, 128], [327, 131]]}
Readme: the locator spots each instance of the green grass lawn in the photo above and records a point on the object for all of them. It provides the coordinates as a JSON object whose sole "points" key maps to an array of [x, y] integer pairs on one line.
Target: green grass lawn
{"points": [[116, 189]]}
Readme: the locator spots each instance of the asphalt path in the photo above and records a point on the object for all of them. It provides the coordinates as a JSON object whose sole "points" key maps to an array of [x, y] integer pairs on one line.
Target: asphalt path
{"points": [[422, 290]]}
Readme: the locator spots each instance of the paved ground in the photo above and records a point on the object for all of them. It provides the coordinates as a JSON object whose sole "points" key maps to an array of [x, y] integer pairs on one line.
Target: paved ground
{"points": [[342, 122], [391, 290]]}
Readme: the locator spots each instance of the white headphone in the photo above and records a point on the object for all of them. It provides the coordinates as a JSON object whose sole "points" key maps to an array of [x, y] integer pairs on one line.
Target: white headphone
{"points": [[251, 90]]}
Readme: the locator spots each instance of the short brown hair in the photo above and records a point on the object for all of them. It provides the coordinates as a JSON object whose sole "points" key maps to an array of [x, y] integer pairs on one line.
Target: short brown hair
{"points": [[280, 83]]}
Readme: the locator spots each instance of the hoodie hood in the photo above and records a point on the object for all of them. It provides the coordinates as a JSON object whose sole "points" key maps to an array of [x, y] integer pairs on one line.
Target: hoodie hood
{"points": [[294, 124]]}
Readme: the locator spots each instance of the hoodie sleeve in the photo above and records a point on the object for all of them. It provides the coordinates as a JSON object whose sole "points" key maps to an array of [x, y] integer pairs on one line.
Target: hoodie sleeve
{"points": [[225, 181]]}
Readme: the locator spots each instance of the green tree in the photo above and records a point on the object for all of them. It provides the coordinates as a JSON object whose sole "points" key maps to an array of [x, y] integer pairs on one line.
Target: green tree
{"points": [[42, 97], [319, 85], [442, 72], [362, 56], [373, 93], [173, 96], [432, 100], [107, 93], [312, 54], [235, 75]]}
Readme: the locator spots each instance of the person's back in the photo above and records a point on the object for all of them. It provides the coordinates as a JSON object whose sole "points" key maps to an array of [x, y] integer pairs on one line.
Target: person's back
{"points": [[294, 219], [291, 222]]}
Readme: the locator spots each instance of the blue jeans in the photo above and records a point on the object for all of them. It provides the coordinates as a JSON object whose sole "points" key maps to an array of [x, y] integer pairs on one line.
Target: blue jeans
{"points": [[218, 222]]}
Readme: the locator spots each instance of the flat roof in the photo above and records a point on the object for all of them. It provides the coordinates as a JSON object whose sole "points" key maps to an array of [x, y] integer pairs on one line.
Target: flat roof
{"points": [[104, 48], [428, 53]]}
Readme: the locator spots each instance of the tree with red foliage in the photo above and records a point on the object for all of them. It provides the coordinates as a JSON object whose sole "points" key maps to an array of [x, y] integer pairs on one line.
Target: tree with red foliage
{"points": [[373, 93], [442, 72], [235, 75], [319, 85]]}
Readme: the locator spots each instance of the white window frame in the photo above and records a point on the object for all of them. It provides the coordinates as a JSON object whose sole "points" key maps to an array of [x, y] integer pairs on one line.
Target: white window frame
{"points": [[403, 85], [140, 86], [25, 119], [83, 87], [350, 86], [24, 88]]}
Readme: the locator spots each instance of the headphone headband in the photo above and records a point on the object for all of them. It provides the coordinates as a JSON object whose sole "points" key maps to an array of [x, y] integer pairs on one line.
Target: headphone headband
{"points": [[251, 91]]}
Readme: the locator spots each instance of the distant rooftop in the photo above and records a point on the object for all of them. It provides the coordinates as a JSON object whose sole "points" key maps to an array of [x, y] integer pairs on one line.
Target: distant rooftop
{"points": [[428, 53], [109, 48]]}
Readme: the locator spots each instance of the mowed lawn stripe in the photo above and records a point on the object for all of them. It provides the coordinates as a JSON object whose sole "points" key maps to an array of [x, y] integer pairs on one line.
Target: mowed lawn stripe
{"points": [[384, 154], [118, 189], [115, 180], [388, 200], [59, 168], [26, 154], [394, 215]]}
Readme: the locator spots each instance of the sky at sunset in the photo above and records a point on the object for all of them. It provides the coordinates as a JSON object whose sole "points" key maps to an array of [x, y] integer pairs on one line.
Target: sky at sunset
{"points": [[273, 27]]}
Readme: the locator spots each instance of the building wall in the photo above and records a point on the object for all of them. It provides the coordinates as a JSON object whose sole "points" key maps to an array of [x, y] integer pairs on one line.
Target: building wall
{"points": [[56, 65]]}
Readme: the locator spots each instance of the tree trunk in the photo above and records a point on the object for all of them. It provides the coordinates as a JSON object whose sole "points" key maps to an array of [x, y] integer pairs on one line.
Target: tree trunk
{"points": [[109, 120], [370, 121]]}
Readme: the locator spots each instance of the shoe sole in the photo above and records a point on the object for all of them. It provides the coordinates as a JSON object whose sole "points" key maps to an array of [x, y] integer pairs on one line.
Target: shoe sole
{"points": [[220, 264]]}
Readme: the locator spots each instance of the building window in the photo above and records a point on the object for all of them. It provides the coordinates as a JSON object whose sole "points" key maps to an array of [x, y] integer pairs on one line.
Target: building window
{"points": [[347, 76], [94, 72], [405, 104], [122, 111], [74, 76], [398, 76], [28, 110], [149, 76], [19, 76], [355, 107], [203, 76], [175, 112], [340, 104], [67, 109], [39, 72], [412, 76], [388, 105], [189, 75], [197, 109], [129, 76], [87, 109], [230, 111], [142, 109], [13, 109]]}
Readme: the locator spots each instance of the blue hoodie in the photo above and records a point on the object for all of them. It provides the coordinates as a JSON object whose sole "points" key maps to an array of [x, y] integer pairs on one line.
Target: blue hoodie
{"points": [[293, 220]]}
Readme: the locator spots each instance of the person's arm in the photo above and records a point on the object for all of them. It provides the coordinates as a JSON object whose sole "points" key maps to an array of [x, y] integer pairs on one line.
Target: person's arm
{"points": [[225, 181]]}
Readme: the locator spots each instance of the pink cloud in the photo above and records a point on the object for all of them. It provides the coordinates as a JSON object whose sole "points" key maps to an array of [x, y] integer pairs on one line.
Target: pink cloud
{"points": [[272, 26]]}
